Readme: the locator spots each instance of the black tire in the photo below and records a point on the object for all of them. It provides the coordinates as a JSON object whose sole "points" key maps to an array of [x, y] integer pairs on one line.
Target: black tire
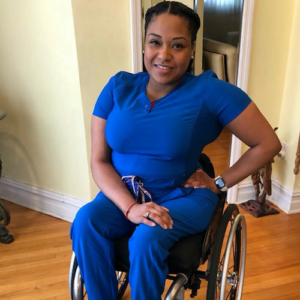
{"points": [[122, 283], [217, 258]]}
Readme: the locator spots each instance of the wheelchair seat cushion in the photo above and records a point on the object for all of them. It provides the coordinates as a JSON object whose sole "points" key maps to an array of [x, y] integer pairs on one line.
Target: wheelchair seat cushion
{"points": [[184, 256]]}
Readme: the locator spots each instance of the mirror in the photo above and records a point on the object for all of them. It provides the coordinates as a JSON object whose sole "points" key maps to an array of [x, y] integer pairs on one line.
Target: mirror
{"points": [[217, 49]]}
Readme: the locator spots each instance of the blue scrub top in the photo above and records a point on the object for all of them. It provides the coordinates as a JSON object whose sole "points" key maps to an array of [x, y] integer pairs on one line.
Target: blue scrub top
{"points": [[163, 140]]}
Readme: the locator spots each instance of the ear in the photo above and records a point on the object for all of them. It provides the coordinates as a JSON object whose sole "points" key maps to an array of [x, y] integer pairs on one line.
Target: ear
{"points": [[193, 48]]}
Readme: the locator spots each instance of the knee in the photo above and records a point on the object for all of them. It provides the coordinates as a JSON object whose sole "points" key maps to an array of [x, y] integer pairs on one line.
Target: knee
{"points": [[83, 219], [143, 244]]}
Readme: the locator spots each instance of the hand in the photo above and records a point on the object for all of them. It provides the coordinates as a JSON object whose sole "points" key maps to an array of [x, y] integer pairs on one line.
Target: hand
{"points": [[158, 214], [199, 179]]}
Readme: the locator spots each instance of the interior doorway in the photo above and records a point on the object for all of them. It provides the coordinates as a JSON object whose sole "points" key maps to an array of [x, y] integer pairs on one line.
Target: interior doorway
{"points": [[242, 69]]}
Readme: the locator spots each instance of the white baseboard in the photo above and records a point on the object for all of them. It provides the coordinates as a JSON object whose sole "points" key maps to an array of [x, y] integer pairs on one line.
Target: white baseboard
{"points": [[50, 203], [286, 199], [65, 207]]}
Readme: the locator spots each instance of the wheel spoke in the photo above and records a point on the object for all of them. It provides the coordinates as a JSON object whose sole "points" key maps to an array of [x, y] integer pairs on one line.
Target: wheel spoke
{"points": [[229, 296]]}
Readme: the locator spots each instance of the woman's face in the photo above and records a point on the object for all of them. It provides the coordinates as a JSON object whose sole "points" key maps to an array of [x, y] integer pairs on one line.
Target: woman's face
{"points": [[168, 50]]}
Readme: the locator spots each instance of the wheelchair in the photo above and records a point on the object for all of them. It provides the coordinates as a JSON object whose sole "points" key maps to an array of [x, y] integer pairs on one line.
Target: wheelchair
{"points": [[221, 249]]}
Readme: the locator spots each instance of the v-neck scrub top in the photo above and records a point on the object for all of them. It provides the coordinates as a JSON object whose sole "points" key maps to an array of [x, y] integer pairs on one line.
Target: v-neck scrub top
{"points": [[161, 142]]}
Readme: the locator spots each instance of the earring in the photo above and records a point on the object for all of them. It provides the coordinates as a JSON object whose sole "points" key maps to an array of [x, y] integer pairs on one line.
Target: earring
{"points": [[192, 57], [143, 51]]}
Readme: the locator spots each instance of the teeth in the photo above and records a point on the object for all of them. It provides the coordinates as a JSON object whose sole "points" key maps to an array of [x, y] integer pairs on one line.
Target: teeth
{"points": [[164, 68]]}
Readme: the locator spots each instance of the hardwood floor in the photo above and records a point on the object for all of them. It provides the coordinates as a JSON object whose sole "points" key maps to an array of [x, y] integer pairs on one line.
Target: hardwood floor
{"points": [[35, 266]]}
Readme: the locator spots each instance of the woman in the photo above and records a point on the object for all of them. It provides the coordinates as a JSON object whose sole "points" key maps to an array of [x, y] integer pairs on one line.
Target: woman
{"points": [[154, 125]]}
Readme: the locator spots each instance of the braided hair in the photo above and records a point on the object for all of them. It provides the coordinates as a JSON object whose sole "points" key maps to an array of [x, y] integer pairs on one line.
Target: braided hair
{"points": [[177, 9]]}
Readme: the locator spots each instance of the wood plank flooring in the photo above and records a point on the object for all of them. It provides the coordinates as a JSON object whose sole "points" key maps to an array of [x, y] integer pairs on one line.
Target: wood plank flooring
{"points": [[35, 266]]}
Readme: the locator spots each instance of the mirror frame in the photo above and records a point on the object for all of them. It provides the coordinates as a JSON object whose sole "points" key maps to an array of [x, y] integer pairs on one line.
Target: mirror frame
{"points": [[243, 66]]}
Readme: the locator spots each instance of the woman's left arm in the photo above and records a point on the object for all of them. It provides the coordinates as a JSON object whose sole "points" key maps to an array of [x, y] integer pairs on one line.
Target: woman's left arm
{"points": [[252, 128]]}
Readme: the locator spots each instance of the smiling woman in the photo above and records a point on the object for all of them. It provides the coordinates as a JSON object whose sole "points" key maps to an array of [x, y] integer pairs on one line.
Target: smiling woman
{"points": [[145, 158], [169, 48], [213, 27]]}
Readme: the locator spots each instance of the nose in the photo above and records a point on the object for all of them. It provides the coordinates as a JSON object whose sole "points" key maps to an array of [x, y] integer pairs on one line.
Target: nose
{"points": [[165, 53]]}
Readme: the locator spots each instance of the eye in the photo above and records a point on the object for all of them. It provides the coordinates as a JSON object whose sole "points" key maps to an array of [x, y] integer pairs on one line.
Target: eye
{"points": [[154, 42], [178, 46]]}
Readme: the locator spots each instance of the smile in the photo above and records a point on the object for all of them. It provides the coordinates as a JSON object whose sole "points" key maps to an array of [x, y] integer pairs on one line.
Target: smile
{"points": [[163, 67]]}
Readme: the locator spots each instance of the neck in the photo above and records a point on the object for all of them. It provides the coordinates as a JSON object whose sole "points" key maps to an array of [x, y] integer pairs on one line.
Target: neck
{"points": [[157, 91]]}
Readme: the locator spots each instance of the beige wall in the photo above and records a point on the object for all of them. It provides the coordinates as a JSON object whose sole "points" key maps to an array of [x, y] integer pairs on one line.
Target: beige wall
{"points": [[274, 73], [56, 56], [42, 139], [269, 55], [103, 41], [290, 112]]}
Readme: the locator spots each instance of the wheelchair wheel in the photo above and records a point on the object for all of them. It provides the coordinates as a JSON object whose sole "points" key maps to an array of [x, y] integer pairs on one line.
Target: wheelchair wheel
{"points": [[122, 278], [76, 284], [227, 267]]}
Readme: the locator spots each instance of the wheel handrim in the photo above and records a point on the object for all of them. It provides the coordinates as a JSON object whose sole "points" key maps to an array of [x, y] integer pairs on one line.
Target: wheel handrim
{"points": [[232, 275]]}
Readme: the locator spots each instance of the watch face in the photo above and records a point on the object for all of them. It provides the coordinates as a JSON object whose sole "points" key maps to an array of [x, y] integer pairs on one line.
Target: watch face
{"points": [[220, 183]]}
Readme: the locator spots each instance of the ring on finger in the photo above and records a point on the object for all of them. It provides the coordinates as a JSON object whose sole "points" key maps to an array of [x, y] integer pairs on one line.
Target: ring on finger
{"points": [[147, 215]]}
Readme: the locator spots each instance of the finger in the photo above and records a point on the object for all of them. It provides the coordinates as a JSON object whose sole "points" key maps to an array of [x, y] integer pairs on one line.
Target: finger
{"points": [[190, 180], [157, 207], [148, 222], [162, 212], [193, 182], [163, 219], [160, 221], [200, 186]]}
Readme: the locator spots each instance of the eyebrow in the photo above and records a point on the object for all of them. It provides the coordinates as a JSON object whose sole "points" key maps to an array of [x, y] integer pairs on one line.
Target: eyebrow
{"points": [[175, 38]]}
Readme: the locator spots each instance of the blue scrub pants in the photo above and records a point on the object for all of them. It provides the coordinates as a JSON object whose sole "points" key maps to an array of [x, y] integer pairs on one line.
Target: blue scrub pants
{"points": [[99, 222]]}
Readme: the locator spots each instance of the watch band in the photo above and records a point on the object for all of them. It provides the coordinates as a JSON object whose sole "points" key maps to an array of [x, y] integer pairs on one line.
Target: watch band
{"points": [[221, 184]]}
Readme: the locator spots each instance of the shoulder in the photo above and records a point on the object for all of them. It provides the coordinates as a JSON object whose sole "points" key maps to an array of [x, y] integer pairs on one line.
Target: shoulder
{"points": [[202, 80], [215, 87], [126, 79]]}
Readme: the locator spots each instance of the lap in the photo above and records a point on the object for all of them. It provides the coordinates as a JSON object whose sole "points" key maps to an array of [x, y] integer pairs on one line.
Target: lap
{"points": [[191, 214]]}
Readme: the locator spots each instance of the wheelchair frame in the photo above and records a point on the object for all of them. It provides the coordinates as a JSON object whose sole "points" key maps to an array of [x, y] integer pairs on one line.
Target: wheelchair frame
{"points": [[224, 274]]}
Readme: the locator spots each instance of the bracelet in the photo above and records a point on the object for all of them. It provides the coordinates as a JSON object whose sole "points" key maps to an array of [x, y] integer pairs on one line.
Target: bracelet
{"points": [[128, 210]]}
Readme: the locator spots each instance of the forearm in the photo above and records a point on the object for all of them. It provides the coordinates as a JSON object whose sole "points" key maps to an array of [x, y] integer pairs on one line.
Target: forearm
{"points": [[110, 183], [251, 161]]}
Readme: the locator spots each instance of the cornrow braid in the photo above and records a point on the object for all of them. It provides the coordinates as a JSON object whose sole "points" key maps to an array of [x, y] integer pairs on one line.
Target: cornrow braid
{"points": [[177, 9]]}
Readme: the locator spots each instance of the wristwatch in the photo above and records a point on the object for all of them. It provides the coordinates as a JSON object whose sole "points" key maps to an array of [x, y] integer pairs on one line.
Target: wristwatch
{"points": [[221, 184]]}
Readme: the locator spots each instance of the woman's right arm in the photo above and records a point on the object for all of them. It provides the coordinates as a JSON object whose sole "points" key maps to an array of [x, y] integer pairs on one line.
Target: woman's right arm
{"points": [[110, 183]]}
